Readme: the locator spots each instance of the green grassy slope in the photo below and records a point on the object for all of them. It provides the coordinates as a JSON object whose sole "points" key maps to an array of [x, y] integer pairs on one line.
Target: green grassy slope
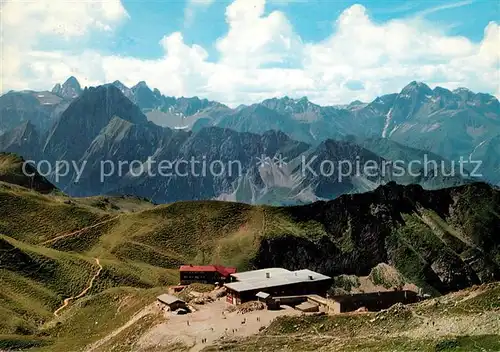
{"points": [[11, 171], [35, 280], [49, 243]]}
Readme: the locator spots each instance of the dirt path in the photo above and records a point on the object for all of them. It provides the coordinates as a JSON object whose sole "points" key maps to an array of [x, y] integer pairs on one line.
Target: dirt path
{"points": [[57, 238], [151, 309], [84, 292]]}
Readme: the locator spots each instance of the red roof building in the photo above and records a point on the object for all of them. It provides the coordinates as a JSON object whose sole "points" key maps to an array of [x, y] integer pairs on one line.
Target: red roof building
{"points": [[207, 274]]}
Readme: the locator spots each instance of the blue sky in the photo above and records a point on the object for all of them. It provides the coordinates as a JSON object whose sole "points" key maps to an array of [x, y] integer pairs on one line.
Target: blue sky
{"points": [[150, 20], [242, 51]]}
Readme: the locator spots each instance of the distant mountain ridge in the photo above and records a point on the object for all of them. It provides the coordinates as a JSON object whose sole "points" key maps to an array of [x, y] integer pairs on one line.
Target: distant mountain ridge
{"points": [[449, 123], [39, 108], [113, 122], [404, 117]]}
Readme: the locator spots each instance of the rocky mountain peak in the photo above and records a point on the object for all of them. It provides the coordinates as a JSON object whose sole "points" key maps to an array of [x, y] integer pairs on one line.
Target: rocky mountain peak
{"points": [[408, 101], [287, 105], [141, 84], [84, 118], [464, 93], [72, 82], [119, 85], [440, 91], [124, 89], [70, 89], [462, 90], [57, 88], [415, 87], [356, 103], [111, 101]]}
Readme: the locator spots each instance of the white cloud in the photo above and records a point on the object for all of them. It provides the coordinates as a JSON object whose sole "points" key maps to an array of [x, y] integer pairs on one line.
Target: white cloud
{"points": [[254, 40], [59, 17], [181, 71], [25, 24], [192, 7], [262, 56], [387, 56]]}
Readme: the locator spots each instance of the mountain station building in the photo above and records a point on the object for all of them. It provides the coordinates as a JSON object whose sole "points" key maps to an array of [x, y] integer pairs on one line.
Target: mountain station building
{"points": [[246, 285]]}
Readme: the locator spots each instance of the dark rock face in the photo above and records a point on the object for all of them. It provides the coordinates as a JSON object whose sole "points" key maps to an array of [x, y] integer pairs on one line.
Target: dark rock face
{"points": [[446, 123], [245, 178], [120, 140], [208, 146], [124, 89], [442, 240], [39, 108], [336, 153], [144, 97], [103, 125], [82, 121], [22, 140]]}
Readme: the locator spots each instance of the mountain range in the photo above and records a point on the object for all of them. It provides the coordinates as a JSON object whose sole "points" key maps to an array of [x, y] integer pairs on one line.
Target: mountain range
{"points": [[141, 126]]}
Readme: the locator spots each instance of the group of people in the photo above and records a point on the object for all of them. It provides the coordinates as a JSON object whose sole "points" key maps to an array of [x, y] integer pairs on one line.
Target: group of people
{"points": [[204, 340]]}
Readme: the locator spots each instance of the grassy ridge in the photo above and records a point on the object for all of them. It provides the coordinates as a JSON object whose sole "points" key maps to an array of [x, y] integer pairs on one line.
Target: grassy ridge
{"points": [[48, 244], [34, 218], [12, 172], [35, 280]]}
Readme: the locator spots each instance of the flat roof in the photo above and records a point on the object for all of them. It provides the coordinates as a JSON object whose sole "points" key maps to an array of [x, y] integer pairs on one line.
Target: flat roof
{"points": [[306, 306], [262, 295], [169, 299], [257, 279], [261, 273]]}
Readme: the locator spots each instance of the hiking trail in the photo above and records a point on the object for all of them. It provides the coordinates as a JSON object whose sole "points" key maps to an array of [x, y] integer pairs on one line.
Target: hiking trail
{"points": [[84, 292], [57, 238]]}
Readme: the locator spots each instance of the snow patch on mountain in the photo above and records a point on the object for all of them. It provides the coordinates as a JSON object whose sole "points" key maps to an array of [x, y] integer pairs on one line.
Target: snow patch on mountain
{"points": [[388, 118]]}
